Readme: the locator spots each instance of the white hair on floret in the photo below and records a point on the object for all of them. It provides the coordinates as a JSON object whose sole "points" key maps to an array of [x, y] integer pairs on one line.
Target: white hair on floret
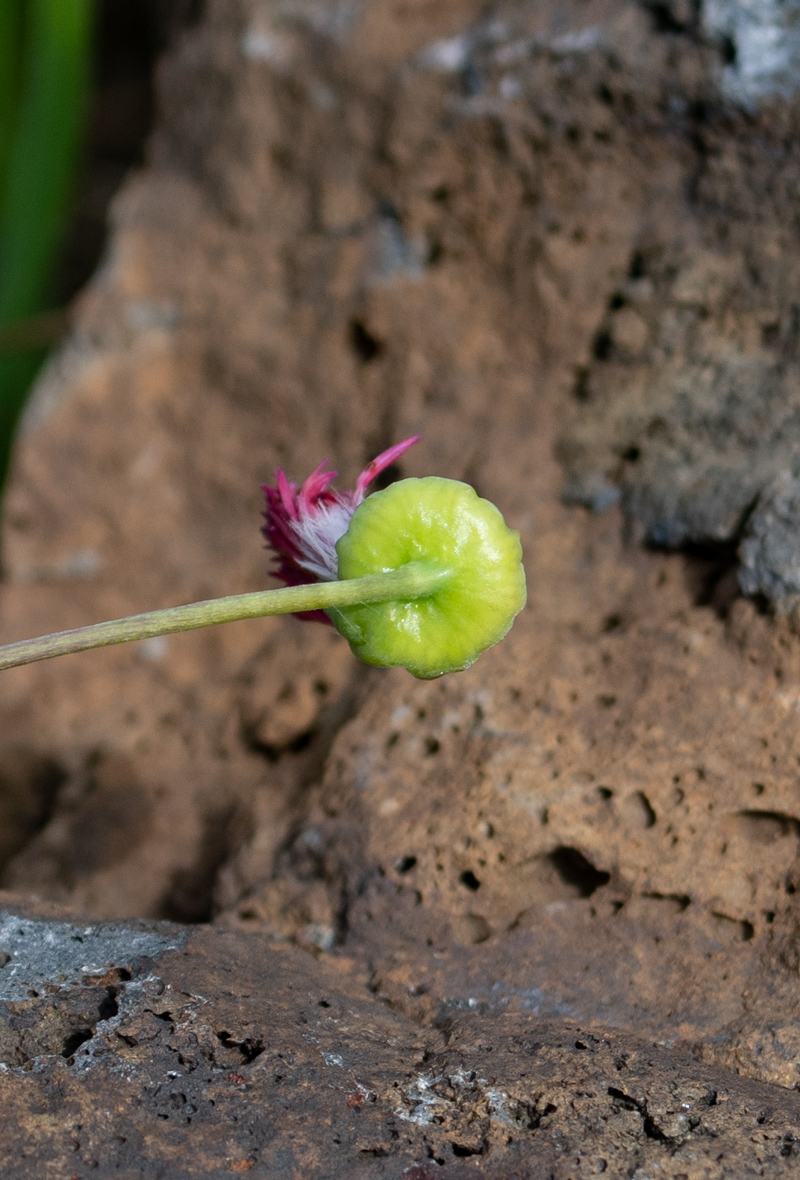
{"points": [[317, 535]]}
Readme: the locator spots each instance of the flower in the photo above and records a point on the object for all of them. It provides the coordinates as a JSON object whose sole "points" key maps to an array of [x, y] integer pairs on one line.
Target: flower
{"points": [[436, 525], [302, 527], [455, 576]]}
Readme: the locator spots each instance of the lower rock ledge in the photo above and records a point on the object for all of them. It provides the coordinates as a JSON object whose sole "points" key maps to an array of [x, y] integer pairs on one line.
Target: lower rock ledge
{"points": [[150, 1050]]}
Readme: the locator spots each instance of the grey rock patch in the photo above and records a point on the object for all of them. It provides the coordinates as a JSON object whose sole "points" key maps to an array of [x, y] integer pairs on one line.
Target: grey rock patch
{"points": [[696, 415], [770, 550], [330, 18], [391, 254], [594, 493], [703, 439], [40, 953], [82, 563], [764, 36], [146, 315], [448, 55]]}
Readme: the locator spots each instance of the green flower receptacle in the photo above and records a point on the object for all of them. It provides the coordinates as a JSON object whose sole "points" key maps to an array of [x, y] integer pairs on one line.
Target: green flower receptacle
{"points": [[431, 523]]}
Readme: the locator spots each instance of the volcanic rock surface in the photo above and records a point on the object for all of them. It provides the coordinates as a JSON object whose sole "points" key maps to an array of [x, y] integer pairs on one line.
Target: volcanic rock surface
{"points": [[169, 1052], [545, 906]]}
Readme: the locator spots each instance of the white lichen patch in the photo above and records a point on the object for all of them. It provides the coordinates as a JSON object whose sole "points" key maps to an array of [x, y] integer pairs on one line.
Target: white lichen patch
{"points": [[763, 37]]}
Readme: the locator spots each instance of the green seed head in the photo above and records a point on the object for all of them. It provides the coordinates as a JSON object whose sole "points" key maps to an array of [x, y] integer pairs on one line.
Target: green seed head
{"points": [[441, 524]]}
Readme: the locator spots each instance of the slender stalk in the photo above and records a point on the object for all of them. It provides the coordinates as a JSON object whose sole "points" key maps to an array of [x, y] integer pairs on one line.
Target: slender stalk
{"points": [[417, 579]]}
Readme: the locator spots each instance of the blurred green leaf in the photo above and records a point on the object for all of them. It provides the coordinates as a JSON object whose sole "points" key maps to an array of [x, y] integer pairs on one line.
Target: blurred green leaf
{"points": [[11, 49], [45, 64]]}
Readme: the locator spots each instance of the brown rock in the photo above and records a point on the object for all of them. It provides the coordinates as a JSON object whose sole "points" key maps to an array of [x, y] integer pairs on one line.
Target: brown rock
{"points": [[225, 1053], [359, 223]]}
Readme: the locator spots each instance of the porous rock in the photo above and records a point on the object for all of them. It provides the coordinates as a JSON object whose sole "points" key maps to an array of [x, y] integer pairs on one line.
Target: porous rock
{"points": [[360, 222], [212, 1054]]}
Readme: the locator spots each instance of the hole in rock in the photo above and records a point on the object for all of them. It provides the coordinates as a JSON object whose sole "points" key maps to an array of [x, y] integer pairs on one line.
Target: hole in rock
{"points": [[765, 827], [727, 50], [469, 880], [74, 1041], [406, 864], [301, 742], [601, 349], [733, 929], [677, 901], [462, 1149], [435, 252], [574, 869], [249, 1047], [108, 1005], [189, 897], [668, 18], [711, 573], [366, 346], [637, 268], [29, 785], [645, 808]]}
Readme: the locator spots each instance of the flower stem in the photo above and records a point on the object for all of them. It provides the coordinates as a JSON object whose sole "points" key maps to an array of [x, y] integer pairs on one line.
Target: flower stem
{"points": [[416, 579]]}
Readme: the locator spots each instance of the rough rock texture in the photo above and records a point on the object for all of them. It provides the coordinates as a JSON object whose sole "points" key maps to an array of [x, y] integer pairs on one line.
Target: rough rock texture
{"points": [[191, 1066], [359, 222], [692, 394]]}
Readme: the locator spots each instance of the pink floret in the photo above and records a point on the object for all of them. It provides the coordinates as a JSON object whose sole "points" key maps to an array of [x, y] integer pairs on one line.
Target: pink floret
{"points": [[302, 527]]}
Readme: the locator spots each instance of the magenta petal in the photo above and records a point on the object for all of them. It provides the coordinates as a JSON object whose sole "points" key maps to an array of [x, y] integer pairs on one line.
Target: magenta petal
{"points": [[316, 488], [288, 495], [380, 464], [302, 527]]}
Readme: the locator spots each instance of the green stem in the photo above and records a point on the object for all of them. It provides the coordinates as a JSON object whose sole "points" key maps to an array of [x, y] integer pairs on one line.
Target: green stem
{"points": [[417, 579]]}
